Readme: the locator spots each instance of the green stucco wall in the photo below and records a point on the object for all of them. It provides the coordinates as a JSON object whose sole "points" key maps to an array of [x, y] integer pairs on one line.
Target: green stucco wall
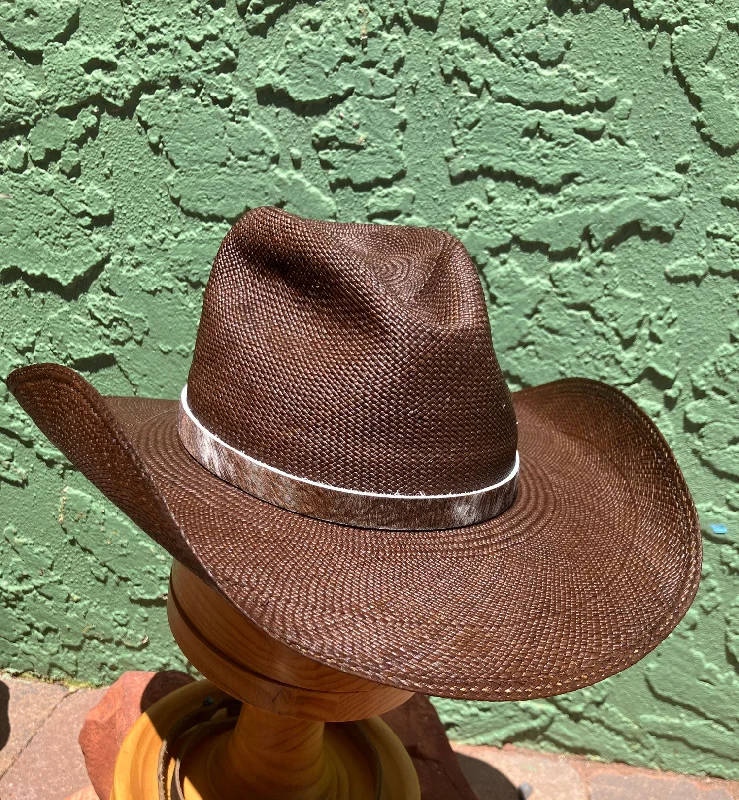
{"points": [[585, 152]]}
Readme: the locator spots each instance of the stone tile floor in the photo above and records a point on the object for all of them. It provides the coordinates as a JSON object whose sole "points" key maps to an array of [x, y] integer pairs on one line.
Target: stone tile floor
{"points": [[41, 760]]}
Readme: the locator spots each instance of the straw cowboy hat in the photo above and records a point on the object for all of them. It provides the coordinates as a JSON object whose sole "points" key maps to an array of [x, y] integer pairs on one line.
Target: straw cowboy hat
{"points": [[347, 467]]}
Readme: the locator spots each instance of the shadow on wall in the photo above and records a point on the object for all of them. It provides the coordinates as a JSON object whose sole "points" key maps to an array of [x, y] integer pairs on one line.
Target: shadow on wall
{"points": [[4, 716]]}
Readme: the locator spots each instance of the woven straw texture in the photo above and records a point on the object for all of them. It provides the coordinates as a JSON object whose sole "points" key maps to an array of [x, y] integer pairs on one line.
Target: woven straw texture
{"points": [[354, 355], [592, 566]]}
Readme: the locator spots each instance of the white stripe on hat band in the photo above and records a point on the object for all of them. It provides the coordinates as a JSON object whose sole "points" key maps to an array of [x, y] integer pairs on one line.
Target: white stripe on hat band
{"points": [[337, 504]]}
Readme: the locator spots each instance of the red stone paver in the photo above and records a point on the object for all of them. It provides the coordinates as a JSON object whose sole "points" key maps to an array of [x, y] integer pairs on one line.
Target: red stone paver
{"points": [[88, 793], [42, 759], [622, 783], [559, 777], [107, 725], [51, 766], [24, 707], [498, 774]]}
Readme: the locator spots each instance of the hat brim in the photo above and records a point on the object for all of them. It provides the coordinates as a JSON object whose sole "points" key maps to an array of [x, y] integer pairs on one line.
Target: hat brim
{"points": [[594, 564]]}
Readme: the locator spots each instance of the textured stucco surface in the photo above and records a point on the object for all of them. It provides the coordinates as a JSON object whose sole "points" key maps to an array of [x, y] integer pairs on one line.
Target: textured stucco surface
{"points": [[585, 152]]}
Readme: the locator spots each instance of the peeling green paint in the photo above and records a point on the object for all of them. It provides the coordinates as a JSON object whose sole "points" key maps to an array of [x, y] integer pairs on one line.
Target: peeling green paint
{"points": [[585, 152]]}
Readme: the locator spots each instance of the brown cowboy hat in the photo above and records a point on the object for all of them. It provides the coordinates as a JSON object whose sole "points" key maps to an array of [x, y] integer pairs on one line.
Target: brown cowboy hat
{"points": [[347, 466]]}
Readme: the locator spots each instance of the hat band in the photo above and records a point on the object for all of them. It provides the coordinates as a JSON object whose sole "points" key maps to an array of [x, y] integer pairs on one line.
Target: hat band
{"points": [[334, 504]]}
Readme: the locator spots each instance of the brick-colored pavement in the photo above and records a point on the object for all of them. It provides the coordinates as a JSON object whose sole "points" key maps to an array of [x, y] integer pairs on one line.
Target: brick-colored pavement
{"points": [[24, 707], [556, 777], [41, 760]]}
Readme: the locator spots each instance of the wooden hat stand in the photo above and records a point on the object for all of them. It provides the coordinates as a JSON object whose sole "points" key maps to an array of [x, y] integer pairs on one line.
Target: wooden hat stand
{"points": [[267, 723]]}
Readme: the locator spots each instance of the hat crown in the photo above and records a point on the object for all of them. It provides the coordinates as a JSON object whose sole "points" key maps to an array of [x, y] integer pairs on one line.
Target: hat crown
{"points": [[353, 355]]}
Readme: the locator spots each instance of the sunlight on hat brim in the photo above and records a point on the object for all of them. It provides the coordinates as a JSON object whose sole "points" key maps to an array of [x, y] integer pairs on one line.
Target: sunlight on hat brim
{"points": [[592, 567]]}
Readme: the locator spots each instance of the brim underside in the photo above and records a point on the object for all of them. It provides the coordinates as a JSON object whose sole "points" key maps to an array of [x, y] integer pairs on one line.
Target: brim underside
{"points": [[594, 564]]}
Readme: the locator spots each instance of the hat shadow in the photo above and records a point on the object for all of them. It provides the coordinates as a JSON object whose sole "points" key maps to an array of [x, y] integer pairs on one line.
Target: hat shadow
{"points": [[4, 714], [488, 783], [160, 685]]}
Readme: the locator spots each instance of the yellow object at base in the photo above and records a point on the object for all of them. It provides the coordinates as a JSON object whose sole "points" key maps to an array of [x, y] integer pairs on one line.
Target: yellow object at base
{"points": [[347, 772]]}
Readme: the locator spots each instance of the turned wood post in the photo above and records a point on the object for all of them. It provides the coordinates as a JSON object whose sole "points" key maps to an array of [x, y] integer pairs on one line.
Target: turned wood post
{"points": [[280, 746]]}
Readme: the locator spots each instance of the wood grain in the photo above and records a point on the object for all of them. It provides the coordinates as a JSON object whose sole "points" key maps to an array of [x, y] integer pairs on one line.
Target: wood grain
{"points": [[244, 661], [281, 747], [220, 624]]}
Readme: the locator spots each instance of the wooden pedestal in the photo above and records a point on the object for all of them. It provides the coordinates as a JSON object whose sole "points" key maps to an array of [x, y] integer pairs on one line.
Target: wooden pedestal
{"points": [[304, 731]]}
